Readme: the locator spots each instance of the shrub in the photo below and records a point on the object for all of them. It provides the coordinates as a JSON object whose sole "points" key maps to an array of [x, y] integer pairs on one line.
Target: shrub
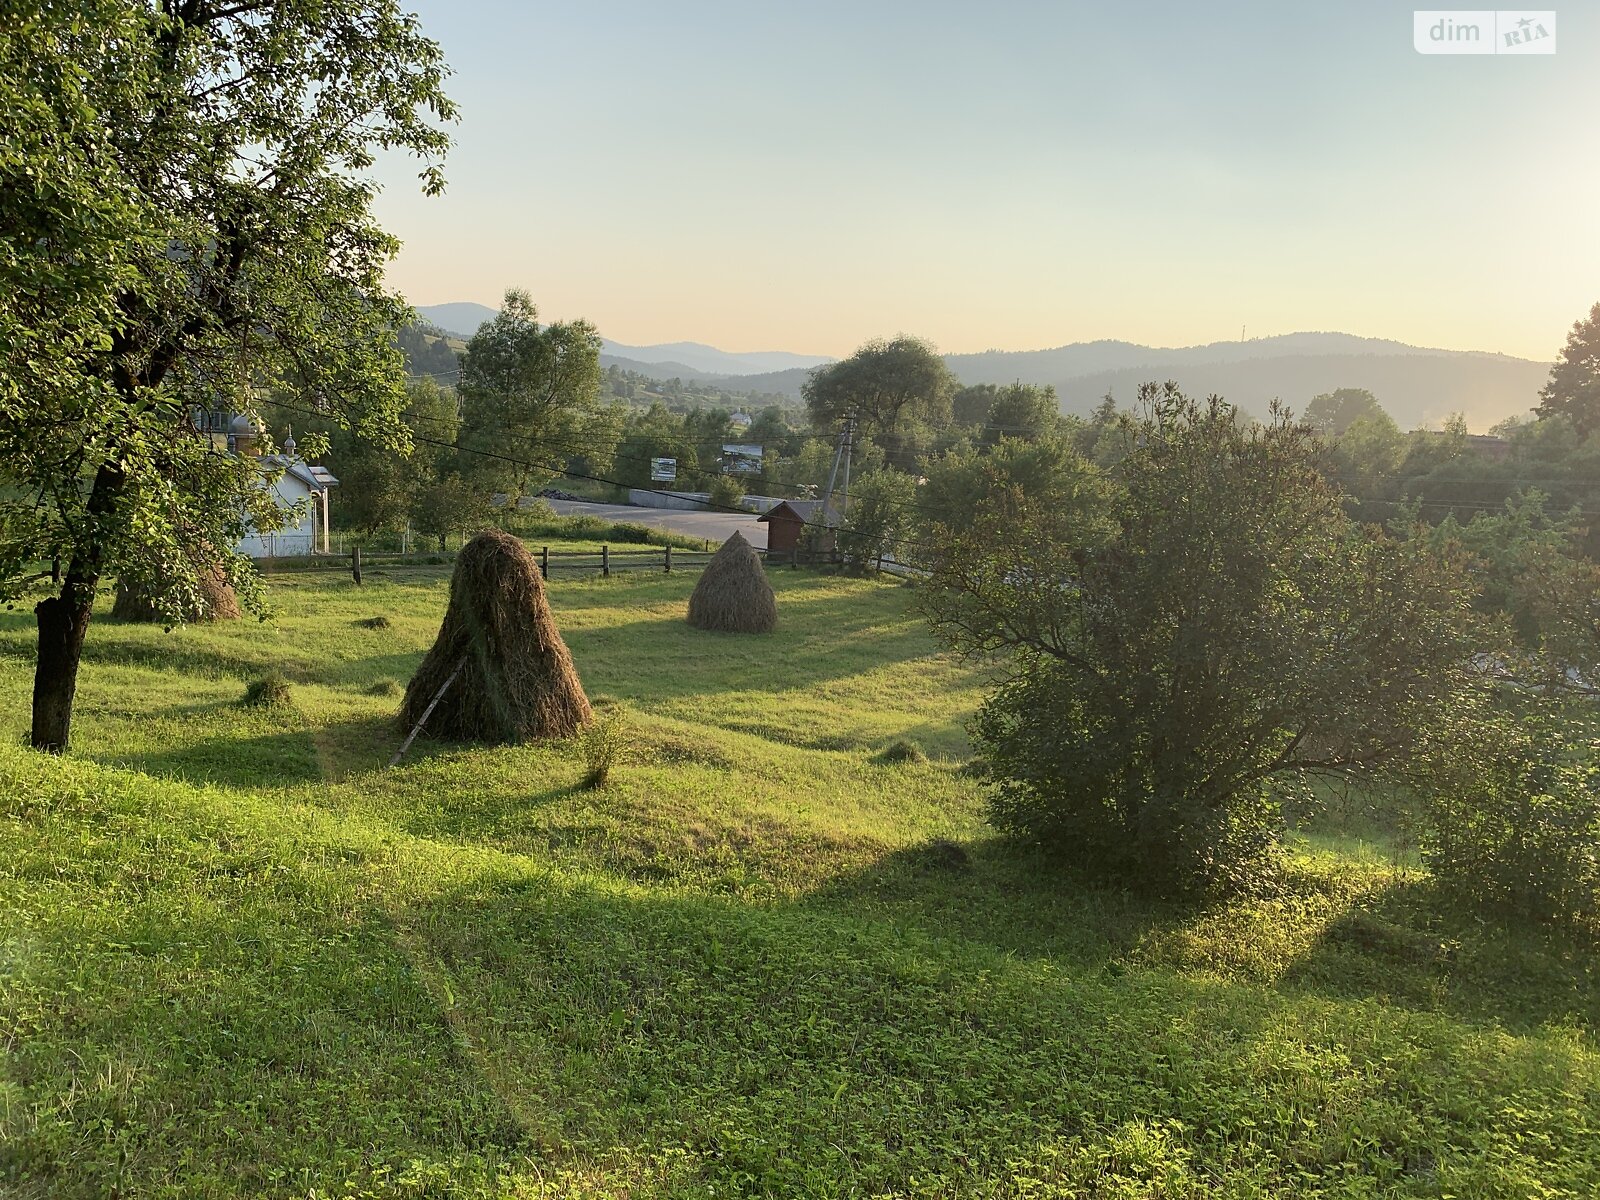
{"points": [[604, 742], [1187, 635], [902, 751], [270, 691], [379, 622], [880, 509], [1521, 838], [726, 492]]}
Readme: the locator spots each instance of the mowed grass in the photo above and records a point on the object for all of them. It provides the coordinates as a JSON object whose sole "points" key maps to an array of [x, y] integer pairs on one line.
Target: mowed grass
{"points": [[242, 958]]}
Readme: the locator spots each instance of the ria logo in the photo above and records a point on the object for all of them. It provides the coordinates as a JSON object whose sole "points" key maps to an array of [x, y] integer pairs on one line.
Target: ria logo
{"points": [[1483, 31]]}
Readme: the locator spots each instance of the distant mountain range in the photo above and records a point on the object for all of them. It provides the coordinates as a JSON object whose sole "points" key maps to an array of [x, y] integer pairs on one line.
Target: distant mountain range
{"points": [[683, 360], [1417, 385]]}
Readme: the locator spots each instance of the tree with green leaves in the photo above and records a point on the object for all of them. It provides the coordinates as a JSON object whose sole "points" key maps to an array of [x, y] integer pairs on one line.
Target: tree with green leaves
{"points": [[187, 226], [879, 515], [892, 387], [1574, 387], [1331, 413], [378, 486], [970, 405], [1210, 632], [530, 392], [450, 504], [1027, 411]]}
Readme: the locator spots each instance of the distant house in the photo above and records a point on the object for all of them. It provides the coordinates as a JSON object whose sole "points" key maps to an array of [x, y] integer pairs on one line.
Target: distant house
{"points": [[787, 521], [300, 483], [740, 421]]}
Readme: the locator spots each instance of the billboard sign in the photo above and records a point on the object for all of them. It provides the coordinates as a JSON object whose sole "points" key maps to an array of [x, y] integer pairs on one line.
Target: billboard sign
{"points": [[741, 459], [663, 470]]}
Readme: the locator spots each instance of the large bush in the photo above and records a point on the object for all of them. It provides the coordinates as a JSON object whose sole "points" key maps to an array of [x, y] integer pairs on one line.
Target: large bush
{"points": [[1186, 632], [1519, 835], [880, 510]]}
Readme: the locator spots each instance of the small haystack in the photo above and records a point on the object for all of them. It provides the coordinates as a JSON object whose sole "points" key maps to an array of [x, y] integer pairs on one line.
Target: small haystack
{"points": [[517, 682], [217, 601], [733, 595]]}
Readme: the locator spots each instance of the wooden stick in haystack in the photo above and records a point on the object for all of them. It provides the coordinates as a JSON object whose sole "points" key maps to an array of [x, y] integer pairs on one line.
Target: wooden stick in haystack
{"points": [[517, 680], [733, 594]]}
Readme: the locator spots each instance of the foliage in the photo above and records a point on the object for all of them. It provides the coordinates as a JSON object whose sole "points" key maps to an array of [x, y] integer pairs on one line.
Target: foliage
{"points": [[877, 519], [1023, 410], [1574, 387], [605, 743], [530, 393], [726, 492], [970, 405], [380, 489], [1332, 413], [1231, 628], [450, 505], [893, 388], [192, 229], [1518, 832]]}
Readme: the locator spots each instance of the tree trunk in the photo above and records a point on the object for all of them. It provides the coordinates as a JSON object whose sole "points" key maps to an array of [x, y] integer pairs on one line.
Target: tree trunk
{"points": [[63, 621]]}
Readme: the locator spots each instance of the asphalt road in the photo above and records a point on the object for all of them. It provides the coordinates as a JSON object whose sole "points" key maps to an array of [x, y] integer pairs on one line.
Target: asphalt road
{"points": [[714, 525]]}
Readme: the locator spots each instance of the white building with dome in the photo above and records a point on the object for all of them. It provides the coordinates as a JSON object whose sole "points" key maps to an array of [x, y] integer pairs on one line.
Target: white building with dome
{"points": [[300, 483]]}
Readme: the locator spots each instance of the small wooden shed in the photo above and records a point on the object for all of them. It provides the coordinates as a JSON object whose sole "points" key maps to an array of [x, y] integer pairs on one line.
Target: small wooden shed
{"points": [[786, 525]]}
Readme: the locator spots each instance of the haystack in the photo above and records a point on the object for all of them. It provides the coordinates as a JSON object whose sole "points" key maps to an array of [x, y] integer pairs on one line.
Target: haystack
{"points": [[517, 681], [217, 601], [733, 595]]}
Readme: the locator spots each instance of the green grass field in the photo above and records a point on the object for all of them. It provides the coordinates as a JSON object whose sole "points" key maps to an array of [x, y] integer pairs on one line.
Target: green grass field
{"points": [[241, 958]]}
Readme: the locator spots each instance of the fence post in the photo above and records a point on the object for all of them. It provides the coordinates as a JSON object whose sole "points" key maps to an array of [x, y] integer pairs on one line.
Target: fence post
{"points": [[544, 562], [667, 555], [605, 562], [355, 564]]}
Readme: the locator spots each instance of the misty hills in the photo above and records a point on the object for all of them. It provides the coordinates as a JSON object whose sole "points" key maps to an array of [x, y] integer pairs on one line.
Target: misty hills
{"points": [[1417, 385], [682, 360]]}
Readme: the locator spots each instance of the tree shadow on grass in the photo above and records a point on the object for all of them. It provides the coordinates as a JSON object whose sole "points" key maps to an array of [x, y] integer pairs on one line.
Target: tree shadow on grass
{"points": [[1407, 945], [283, 758], [995, 893], [1386, 938], [818, 1048]]}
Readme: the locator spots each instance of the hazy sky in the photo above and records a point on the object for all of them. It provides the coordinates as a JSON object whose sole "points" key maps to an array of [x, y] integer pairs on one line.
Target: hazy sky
{"points": [[805, 176]]}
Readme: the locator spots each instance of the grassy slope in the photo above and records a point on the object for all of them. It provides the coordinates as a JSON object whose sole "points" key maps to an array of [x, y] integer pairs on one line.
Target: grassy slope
{"points": [[240, 958]]}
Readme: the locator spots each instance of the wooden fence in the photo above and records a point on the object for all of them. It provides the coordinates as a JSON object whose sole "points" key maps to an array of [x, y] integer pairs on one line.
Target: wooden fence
{"points": [[663, 558], [554, 563]]}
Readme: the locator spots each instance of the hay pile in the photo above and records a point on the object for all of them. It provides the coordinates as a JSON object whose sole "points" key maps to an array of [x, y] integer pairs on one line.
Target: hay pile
{"points": [[518, 682], [733, 595], [217, 601]]}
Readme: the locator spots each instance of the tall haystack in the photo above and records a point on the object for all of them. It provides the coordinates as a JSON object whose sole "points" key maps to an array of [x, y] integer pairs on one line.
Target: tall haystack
{"points": [[217, 601], [733, 595], [517, 681]]}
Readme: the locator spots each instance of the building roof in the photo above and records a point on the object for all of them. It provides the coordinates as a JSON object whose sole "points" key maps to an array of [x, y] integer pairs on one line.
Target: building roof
{"points": [[805, 511], [318, 479]]}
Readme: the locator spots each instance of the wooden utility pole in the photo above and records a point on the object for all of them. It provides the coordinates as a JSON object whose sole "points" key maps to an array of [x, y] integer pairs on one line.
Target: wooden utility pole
{"points": [[841, 453]]}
